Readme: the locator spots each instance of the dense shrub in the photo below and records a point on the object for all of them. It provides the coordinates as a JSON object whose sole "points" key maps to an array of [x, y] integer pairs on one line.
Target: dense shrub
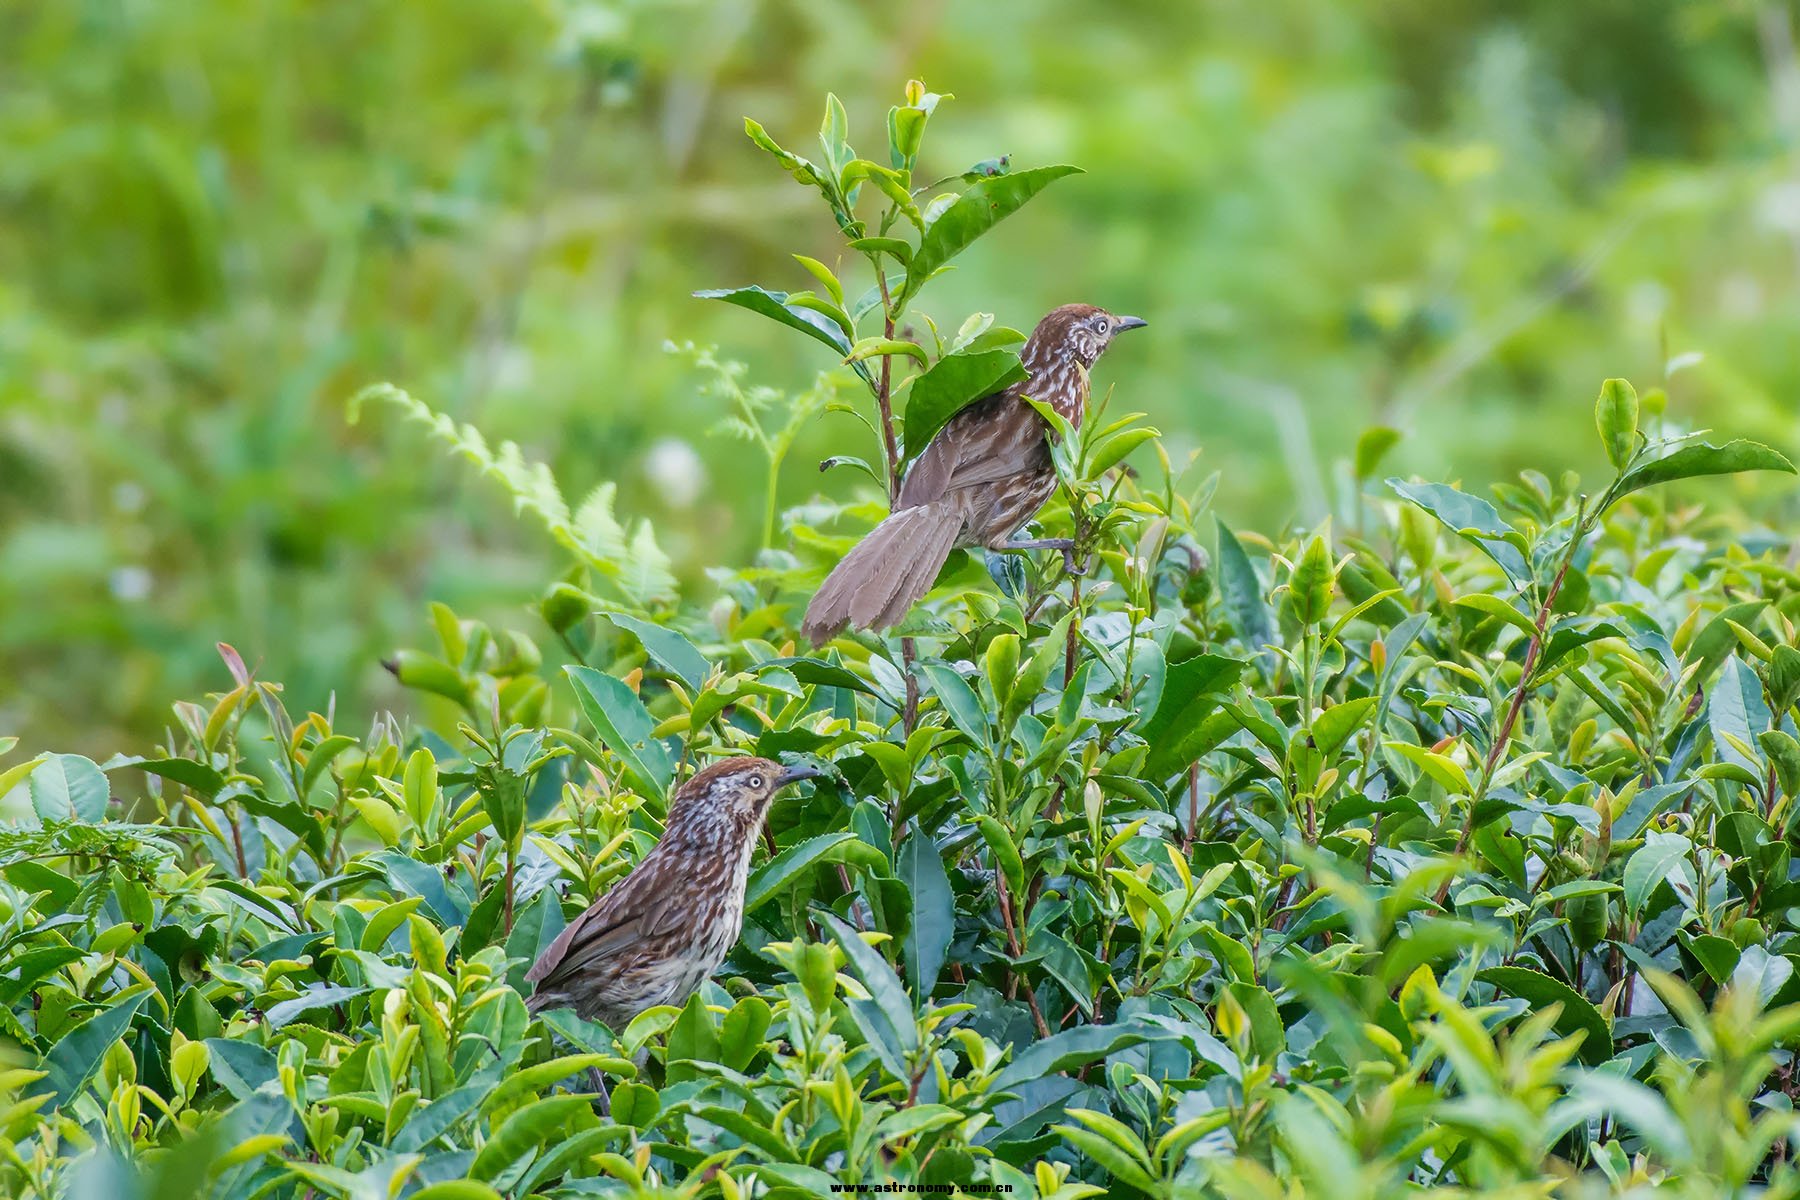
{"points": [[1451, 849]]}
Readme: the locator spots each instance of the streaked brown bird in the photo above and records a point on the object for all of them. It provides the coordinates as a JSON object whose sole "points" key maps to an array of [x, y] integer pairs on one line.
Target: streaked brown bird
{"points": [[666, 927], [984, 475]]}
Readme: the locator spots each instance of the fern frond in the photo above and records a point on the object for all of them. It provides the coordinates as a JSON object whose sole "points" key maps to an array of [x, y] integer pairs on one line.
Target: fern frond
{"points": [[636, 565]]}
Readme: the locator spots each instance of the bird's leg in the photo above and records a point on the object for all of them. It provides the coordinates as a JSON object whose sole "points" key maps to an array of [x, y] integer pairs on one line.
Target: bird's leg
{"points": [[602, 1098], [1066, 545]]}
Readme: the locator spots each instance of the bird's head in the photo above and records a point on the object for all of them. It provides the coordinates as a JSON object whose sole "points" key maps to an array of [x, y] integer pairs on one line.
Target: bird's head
{"points": [[727, 800], [1080, 331]]}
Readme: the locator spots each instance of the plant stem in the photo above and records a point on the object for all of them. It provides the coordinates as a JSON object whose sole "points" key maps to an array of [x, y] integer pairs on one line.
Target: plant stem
{"points": [[506, 898], [1012, 945], [1533, 651], [884, 390]]}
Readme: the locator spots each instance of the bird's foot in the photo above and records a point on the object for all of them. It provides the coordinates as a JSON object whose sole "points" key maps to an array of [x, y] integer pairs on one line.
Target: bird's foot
{"points": [[1066, 545]]}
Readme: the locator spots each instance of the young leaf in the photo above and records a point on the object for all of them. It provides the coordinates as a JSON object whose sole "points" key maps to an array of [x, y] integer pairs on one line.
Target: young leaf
{"points": [[1616, 417]]}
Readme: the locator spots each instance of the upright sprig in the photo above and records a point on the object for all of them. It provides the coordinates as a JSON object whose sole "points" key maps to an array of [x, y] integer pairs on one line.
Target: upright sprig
{"points": [[1538, 570], [909, 241]]}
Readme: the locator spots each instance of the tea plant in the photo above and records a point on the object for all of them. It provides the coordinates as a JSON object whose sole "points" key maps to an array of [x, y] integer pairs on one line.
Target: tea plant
{"points": [[1445, 851]]}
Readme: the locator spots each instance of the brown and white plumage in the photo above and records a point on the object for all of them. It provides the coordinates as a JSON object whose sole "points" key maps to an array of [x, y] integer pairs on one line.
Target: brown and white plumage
{"points": [[985, 474], [665, 928]]}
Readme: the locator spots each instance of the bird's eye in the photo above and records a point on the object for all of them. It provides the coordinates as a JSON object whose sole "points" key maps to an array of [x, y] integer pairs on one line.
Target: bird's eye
{"points": [[756, 781], [1101, 327]]}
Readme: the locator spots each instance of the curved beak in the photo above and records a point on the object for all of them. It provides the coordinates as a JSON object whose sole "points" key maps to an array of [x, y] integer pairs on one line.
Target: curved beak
{"points": [[1121, 324], [796, 774]]}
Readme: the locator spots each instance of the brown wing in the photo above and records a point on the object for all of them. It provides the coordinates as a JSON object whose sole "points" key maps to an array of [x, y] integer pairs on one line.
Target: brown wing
{"points": [[986, 442], [635, 911]]}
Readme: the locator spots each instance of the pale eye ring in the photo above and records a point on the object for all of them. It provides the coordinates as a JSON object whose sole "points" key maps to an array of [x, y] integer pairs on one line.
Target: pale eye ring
{"points": [[1102, 325], [756, 781]]}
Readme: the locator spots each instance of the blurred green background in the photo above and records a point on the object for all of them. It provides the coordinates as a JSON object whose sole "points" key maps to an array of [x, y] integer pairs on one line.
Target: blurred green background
{"points": [[217, 221]]}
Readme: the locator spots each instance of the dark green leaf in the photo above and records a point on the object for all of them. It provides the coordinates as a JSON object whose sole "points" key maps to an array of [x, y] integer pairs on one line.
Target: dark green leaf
{"points": [[77, 1053], [1578, 1013], [952, 383], [625, 726], [1177, 731], [1473, 518], [667, 647], [775, 306], [68, 787], [1699, 458], [921, 869]]}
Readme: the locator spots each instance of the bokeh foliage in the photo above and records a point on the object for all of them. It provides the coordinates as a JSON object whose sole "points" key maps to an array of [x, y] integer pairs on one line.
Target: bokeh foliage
{"points": [[1441, 845], [217, 221]]}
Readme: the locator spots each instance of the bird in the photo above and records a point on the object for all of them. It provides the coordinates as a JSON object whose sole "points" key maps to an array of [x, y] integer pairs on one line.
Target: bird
{"points": [[985, 474], [664, 929]]}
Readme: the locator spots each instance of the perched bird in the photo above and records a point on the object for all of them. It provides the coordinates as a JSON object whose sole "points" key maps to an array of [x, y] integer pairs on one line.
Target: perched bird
{"points": [[666, 927], [984, 475]]}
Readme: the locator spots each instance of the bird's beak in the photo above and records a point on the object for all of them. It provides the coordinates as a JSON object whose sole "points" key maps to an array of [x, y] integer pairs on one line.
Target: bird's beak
{"points": [[1121, 324], [796, 774]]}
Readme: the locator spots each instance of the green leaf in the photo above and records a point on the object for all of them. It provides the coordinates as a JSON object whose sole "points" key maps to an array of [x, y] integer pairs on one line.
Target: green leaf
{"points": [[741, 1033], [1698, 458], [242, 1068], [1337, 724], [1244, 597], [1371, 447], [68, 787], [775, 306], [319, 996], [667, 647], [1311, 584], [455, 1189], [953, 383], [1759, 971], [1071, 1049], [522, 1082], [195, 776], [625, 726], [802, 170], [1177, 732], [921, 869], [958, 699], [816, 672], [1116, 1149], [1736, 710], [1113, 450], [1616, 417], [1578, 1014], [879, 978], [1490, 605], [536, 1125], [535, 926], [877, 347], [1718, 955], [77, 1054], [1445, 770], [1649, 865], [1050, 652], [1005, 851], [1473, 519], [775, 876], [986, 202]]}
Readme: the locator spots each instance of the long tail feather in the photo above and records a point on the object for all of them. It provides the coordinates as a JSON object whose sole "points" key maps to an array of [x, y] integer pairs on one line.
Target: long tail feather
{"points": [[886, 573]]}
